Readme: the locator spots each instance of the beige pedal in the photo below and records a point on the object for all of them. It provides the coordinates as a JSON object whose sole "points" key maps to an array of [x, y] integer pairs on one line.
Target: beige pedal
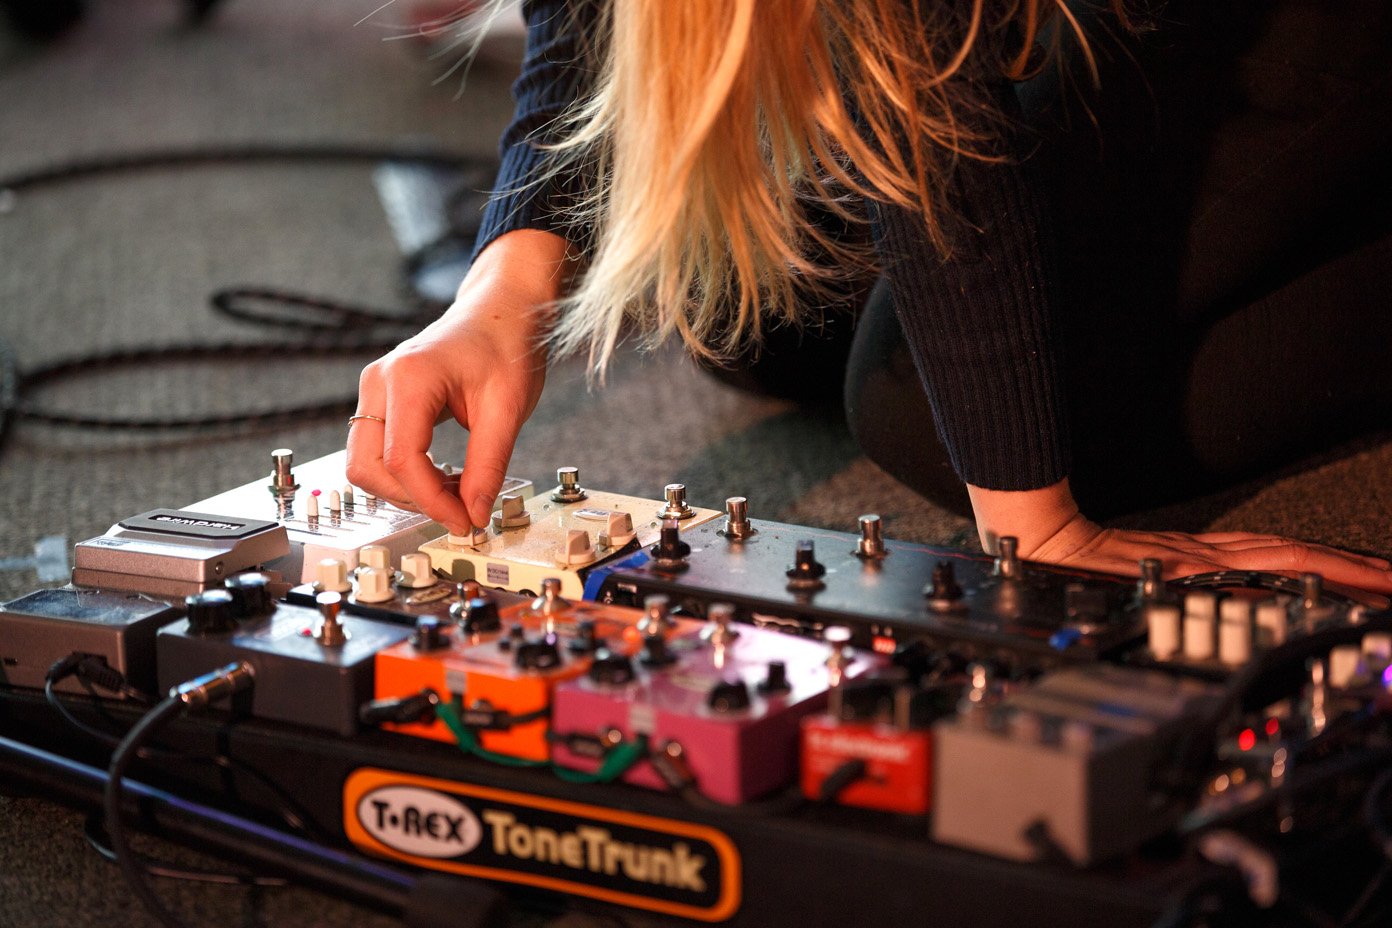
{"points": [[558, 539], [324, 517]]}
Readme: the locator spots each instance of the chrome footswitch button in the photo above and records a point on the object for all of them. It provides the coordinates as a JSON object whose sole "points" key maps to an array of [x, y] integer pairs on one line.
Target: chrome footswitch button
{"points": [[568, 489], [676, 507]]}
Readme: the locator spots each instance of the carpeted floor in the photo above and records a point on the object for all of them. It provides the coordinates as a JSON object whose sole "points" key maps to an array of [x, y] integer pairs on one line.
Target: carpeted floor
{"points": [[123, 261]]}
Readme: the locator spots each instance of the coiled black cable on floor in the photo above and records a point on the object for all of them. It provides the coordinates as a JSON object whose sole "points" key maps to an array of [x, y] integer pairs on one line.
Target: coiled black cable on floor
{"points": [[330, 328]]}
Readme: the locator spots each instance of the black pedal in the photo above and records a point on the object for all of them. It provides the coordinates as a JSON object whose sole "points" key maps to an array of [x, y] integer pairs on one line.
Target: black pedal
{"points": [[44, 627], [889, 593], [309, 669]]}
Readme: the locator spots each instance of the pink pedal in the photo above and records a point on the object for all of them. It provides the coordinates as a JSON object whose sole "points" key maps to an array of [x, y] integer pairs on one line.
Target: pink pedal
{"points": [[720, 711]]}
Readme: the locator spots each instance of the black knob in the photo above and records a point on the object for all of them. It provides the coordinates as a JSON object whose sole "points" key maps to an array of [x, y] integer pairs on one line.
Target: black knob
{"points": [[211, 612], [429, 635], [655, 652], [480, 615], [251, 594], [670, 548], [943, 586], [728, 696], [584, 641], [777, 679], [541, 654], [805, 566], [611, 667], [516, 635]]}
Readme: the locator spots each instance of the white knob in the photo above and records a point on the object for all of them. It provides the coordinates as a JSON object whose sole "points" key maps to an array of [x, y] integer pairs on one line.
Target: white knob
{"points": [[577, 548], [374, 556], [1235, 632], [1272, 620], [1162, 623], [374, 585], [331, 576], [1199, 635], [619, 530], [1345, 663], [416, 570]]}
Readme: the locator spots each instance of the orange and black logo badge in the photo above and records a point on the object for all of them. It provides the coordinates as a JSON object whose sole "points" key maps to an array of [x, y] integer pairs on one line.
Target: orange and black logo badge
{"points": [[641, 861]]}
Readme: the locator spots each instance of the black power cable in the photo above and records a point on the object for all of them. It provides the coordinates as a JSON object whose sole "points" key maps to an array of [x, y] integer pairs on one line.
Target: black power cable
{"points": [[331, 328]]}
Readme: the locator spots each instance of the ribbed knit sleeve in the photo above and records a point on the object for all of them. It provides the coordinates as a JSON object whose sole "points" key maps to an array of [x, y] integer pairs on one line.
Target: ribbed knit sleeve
{"points": [[555, 72], [979, 327]]}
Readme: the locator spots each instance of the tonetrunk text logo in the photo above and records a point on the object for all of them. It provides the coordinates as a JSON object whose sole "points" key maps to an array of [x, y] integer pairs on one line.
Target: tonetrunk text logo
{"points": [[664, 865]]}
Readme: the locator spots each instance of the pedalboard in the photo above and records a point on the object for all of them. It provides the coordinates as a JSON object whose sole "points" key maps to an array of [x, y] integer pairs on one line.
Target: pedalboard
{"points": [[888, 593], [176, 552], [566, 533], [326, 517]]}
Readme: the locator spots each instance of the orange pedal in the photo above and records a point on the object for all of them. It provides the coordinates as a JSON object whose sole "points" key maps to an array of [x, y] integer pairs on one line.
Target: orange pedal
{"points": [[500, 668]]}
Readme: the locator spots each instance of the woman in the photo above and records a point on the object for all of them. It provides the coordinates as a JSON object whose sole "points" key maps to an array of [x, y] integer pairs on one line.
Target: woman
{"points": [[676, 166]]}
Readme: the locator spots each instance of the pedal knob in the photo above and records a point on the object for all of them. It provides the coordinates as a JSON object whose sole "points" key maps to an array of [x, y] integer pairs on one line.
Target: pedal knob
{"points": [[1234, 631], [516, 635], [942, 591], [655, 652], [576, 550], [585, 640], [374, 585], [374, 556], [1151, 586], [718, 618], [335, 502], [541, 654], [676, 507], [1007, 563], [777, 679], [568, 489], [728, 696], [619, 530], [349, 500], [470, 539], [670, 551], [737, 517], [416, 571], [549, 603], [871, 544], [511, 513], [331, 576], [806, 573], [1163, 629], [211, 612], [657, 615], [429, 635], [251, 594], [331, 633], [611, 667], [477, 616], [282, 474]]}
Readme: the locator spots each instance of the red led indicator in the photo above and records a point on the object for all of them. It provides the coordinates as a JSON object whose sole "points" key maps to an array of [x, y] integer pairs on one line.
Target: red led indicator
{"points": [[1272, 727], [1247, 740], [883, 645]]}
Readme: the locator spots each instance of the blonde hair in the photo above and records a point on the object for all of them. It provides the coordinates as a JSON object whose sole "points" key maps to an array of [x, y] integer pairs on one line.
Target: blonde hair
{"points": [[715, 124]]}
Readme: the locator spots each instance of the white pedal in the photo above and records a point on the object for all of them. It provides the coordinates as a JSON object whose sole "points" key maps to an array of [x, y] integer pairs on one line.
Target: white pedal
{"points": [[544, 545], [340, 520]]}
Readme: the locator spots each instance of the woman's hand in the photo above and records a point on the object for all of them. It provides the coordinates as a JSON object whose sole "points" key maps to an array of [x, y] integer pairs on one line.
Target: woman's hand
{"points": [[1051, 530], [482, 362]]}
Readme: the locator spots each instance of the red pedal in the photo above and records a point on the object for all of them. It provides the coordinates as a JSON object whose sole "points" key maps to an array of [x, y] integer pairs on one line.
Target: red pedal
{"points": [[883, 762]]}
